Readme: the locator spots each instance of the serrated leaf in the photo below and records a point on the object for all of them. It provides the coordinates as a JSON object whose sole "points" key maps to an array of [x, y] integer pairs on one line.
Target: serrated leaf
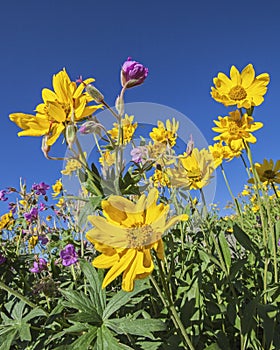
{"points": [[143, 327], [225, 251], [85, 340], [24, 332], [105, 340], [148, 345], [34, 313], [6, 341], [122, 298]]}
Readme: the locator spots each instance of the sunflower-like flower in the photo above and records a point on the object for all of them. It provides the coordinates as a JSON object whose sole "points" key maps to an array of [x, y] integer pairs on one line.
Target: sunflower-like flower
{"points": [[193, 171], [235, 129], [160, 178], [6, 220], [108, 158], [66, 104], [242, 89], [126, 235], [72, 165], [268, 171], [166, 134], [128, 129]]}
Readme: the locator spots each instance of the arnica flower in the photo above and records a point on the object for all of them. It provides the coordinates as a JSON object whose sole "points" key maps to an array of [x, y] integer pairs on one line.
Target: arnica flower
{"points": [[72, 165], [268, 171], [193, 171], [65, 105], [6, 220], [133, 73], [166, 134], [128, 129], [3, 197], [39, 266], [241, 89], [160, 178], [57, 188], [68, 255], [126, 235], [235, 129], [107, 159], [40, 188]]}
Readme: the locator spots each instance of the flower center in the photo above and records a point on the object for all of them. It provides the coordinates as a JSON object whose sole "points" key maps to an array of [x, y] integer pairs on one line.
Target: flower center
{"points": [[269, 174], [141, 236], [237, 93]]}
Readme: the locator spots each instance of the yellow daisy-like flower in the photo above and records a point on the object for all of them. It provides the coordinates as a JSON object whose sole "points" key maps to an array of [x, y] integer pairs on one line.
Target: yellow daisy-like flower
{"points": [[72, 165], [234, 129], [33, 241], [160, 178], [194, 171], [108, 158], [268, 171], [166, 134], [60, 203], [57, 188], [218, 152], [128, 129], [127, 233], [255, 208], [242, 89], [66, 104], [6, 220]]}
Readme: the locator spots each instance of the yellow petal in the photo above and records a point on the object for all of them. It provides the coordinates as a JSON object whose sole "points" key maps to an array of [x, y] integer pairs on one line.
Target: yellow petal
{"points": [[105, 261]]}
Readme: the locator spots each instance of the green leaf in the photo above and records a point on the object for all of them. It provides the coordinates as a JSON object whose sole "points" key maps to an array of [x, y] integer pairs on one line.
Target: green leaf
{"points": [[6, 341], [214, 346], [24, 332], [148, 345], [225, 251], [106, 340], [34, 313], [88, 209], [122, 298], [98, 296], [244, 240], [248, 321], [85, 340], [142, 327]]}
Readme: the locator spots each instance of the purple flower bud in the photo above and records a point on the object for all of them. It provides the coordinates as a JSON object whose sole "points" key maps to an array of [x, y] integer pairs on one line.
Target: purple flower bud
{"points": [[133, 73], [12, 207], [39, 266], [32, 215], [139, 153], [3, 197], [68, 255], [2, 259], [40, 188]]}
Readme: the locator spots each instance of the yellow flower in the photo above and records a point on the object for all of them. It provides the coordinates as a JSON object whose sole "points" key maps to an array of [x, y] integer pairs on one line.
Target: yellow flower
{"points": [[6, 220], [268, 171], [108, 158], [234, 129], [241, 89], [128, 129], [218, 153], [255, 208], [127, 233], [66, 104], [245, 193], [57, 188], [73, 165], [33, 241], [194, 171], [160, 178], [60, 203], [166, 134]]}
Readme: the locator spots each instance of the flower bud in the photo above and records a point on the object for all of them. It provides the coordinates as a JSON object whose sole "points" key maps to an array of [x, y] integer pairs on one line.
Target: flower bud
{"points": [[91, 127], [70, 134], [45, 147], [133, 73], [94, 93]]}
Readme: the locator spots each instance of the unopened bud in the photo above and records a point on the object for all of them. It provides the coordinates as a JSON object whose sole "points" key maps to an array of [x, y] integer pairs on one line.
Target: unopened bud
{"points": [[91, 127], [119, 104], [133, 73], [190, 146], [45, 147], [94, 93], [70, 134]]}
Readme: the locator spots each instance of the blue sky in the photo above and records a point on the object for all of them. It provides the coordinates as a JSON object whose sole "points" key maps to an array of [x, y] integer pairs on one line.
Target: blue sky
{"points": [[183, 43]]}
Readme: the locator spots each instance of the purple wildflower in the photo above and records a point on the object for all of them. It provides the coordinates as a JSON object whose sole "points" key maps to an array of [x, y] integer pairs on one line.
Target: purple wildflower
{"points": [[2, 259], [68, 255], [40, 188], [138, 153], [32, 215], [39, 266], [43, 239], [12, 207], [3, 197], [133, 73], [42, 207]]}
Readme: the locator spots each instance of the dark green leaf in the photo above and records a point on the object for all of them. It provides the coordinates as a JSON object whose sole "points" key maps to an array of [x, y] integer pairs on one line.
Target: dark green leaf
{"points": [[225, 251]]}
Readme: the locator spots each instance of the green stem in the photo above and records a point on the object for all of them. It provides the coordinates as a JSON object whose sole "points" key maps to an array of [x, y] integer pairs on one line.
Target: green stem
{"points": [[175, 317], [274, 189], [246, 166]]}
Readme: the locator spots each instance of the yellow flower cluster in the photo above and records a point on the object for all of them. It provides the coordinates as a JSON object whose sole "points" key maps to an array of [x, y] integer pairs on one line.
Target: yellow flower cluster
{"points": [[6, 220], [72, 165], [166, 134], [127, 130]]}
